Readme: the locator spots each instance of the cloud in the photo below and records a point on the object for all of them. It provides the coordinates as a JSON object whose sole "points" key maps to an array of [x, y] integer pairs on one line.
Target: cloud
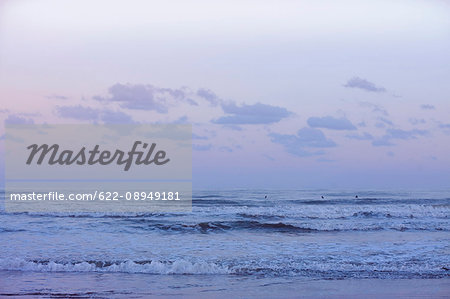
{"points": [[445, 128], [251, 114], [383, 122], [392, 134], [403, 134], [78, 112], [138, 97], [56, 97], [145, 97], [365, 136], [198, 147], [325, 160], [383, 141], [427, 107], [305, 138], [110, 116], [208, 95], [232, 127], [417, 121], [269, 157], [182, 120], [386, 121], [191, 102], [151, 98], [226, 149], [329, 122], [198, 137], [363, 84], [92, 114], [18, 120], [375, 108]]}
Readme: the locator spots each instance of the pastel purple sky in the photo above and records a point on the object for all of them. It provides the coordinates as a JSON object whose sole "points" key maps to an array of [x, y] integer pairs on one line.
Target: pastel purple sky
{"points": [[281, 94]]}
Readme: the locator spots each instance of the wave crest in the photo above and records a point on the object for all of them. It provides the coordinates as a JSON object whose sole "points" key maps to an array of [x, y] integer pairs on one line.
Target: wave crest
{"points": [[148, 267]]}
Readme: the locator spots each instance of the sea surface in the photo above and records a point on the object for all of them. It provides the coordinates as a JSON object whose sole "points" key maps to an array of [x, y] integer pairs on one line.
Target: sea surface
{"points": [[232, 239]]}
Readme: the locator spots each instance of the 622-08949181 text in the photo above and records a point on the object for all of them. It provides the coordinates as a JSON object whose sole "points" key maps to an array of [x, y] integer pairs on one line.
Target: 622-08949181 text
{"points": [[102, 196]]}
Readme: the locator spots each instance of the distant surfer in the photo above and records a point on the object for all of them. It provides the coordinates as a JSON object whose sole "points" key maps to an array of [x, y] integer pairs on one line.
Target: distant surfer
{"points": [[265, 196], [323, 197], [356, 196]]}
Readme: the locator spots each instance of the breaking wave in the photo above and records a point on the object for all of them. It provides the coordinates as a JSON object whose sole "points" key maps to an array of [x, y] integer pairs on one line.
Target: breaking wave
{"points": [[148, 267], [261, 268]]}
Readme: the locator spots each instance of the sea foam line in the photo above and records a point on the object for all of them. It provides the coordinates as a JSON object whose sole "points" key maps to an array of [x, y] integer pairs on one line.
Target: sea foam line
{"points": [[150, 267]]}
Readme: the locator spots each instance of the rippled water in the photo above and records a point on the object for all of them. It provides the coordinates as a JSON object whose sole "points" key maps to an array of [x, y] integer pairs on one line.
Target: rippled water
{"points": [[240, 232]]}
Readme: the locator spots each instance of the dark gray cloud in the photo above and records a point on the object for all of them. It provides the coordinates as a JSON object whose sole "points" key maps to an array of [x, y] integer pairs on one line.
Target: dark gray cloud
{"points": [[305, 138], [363, 84], [427, 107], [15, 119], [251, 114], [329, 122]]}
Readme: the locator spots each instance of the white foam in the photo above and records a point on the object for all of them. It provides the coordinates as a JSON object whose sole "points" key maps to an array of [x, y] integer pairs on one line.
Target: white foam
{"points": [[153, 267]]}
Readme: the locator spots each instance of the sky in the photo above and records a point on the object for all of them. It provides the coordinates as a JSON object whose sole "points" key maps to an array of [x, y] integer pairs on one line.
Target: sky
{"points": [[281, 94]]}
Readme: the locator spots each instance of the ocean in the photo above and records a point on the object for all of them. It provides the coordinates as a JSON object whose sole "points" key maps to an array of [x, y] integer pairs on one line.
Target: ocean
{"points": [[234, 243]]}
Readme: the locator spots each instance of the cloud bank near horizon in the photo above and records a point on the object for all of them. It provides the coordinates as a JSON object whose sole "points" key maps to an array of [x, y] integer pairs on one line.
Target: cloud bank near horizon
{"points": [[133, 103]]}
